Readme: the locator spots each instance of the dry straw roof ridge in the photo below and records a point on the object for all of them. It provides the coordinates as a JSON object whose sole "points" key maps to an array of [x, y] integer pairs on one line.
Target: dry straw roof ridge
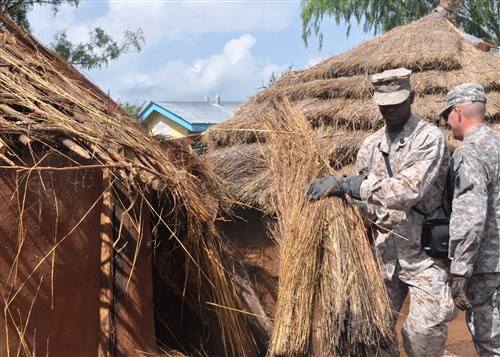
{"points": [[430, 43]]}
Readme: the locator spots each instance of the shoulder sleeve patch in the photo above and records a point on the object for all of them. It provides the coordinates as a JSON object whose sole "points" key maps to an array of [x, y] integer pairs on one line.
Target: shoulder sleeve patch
{"points": [[462, 183]]}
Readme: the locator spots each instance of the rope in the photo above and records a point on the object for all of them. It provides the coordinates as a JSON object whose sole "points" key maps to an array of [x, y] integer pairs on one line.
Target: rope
{"points": [[447, 11]]}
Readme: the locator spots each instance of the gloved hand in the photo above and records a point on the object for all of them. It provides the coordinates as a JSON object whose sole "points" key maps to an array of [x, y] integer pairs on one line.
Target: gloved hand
{"points": [[335, 186], [322, 187], [458, 292], [351, 185]]}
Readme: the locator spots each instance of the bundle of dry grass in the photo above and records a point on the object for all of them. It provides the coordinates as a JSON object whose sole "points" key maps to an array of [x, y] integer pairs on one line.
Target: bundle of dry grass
{"points": [[354, 307], [326, 260], [48, 110]]}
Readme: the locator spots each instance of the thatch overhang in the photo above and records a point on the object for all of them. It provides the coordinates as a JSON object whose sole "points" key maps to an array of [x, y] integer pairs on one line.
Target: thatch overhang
{"points": [[336, 94]]}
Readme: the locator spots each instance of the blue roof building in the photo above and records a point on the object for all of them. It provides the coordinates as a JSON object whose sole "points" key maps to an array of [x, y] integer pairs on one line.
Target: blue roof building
{"points": [[182, 119]]}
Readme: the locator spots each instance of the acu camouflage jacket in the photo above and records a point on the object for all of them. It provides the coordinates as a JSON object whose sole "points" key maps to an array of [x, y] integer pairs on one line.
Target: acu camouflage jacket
{"points": [[475, 217]]}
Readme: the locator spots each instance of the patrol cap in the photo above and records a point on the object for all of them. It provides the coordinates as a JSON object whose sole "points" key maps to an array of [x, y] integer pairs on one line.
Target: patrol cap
{"points": [[391, 86], [463, 93]]}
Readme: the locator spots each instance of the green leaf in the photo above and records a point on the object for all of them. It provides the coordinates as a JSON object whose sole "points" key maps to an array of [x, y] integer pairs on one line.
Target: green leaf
{"points": [[477, 17], [95, 53]]}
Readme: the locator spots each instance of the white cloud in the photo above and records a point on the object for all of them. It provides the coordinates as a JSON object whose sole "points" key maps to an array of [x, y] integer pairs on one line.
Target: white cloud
{"points": [[236, 50], [235, 67], [164, 20]]}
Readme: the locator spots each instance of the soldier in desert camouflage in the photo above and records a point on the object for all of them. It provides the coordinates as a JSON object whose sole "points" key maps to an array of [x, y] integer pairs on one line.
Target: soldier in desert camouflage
{"points": [[417, 155], [474, 187]]}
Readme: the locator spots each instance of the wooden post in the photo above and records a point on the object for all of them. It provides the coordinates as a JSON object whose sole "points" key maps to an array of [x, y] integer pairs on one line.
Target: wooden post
{"points": [[106, 340]]}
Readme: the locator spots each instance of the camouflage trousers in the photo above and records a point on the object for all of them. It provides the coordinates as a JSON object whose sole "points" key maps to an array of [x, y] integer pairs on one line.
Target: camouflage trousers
{"points": [[483, 291], [431, 306]]}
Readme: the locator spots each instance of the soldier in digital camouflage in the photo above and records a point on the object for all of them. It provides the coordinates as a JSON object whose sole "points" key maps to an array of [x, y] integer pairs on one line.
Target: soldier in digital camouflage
{"points": [[474, 188], [389, 193]]}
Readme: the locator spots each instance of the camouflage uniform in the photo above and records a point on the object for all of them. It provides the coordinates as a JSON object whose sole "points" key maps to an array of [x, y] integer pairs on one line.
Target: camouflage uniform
{"points": [[418, 157], [475, 233]]}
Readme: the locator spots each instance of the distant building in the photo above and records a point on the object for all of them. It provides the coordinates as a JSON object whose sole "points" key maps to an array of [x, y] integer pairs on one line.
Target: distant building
{"points": [[184, 119]]}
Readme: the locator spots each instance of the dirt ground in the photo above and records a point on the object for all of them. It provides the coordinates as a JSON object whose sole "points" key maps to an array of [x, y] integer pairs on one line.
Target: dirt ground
{"points": [[459, 341]]}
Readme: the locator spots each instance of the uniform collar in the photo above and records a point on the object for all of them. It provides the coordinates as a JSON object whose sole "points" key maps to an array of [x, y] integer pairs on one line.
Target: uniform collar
{"points": [[475, 129], [402, 138]]}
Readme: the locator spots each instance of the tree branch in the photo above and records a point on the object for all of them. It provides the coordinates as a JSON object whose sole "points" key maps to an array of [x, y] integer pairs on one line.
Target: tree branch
{"points": [[482, 27]]}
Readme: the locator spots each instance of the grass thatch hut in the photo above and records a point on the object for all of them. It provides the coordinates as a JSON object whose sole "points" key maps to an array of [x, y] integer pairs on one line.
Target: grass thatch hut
{"points": [[108, 239], [335, 97]]}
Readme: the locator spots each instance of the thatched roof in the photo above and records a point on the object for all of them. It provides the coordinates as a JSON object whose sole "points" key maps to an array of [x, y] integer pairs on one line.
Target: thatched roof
{"points": [[336, 94]]}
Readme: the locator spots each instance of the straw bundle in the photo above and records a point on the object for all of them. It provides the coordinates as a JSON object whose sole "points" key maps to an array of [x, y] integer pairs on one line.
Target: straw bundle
{"points": [[296, 236], [354, 307], [325, 257]]}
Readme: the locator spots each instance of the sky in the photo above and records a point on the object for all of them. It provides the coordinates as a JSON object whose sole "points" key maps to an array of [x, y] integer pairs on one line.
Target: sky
{"points": [[196, 48]]}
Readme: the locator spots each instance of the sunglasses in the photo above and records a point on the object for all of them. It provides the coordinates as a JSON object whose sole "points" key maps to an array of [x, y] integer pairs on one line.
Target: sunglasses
{"points": [[446, 113]]}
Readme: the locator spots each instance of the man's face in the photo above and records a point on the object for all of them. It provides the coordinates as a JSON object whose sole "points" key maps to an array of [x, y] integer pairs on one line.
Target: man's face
{"points": [[454, 121], [398, 114]]}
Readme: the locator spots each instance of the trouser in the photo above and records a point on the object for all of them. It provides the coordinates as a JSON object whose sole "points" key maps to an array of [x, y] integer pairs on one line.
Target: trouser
{"points": [[424, 331], [483, 320]]}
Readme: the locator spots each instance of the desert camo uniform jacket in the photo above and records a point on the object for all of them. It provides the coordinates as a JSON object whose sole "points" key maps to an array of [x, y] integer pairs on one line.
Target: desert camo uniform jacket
{"points": [[419, 158], [475, 221]]}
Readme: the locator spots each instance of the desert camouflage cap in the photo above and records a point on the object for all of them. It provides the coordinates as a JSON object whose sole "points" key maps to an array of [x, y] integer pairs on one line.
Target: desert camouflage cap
{"points": [[391, 86], [463, 93]]}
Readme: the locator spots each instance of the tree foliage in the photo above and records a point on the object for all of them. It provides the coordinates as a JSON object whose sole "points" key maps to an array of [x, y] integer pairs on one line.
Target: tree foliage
{"points": [[96, 52], [133, 109], [99, 50], [18, 9], [477, 17]]}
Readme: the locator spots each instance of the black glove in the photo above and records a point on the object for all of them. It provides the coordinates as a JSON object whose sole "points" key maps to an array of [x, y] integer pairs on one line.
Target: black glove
{"points": [[321, 187], [335, 186], [351, 185], [458, 292]]}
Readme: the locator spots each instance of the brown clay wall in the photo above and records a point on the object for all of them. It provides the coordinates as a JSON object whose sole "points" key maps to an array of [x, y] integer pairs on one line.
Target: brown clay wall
{"points": [[49, 261], [50, 264], [247, 231]]}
